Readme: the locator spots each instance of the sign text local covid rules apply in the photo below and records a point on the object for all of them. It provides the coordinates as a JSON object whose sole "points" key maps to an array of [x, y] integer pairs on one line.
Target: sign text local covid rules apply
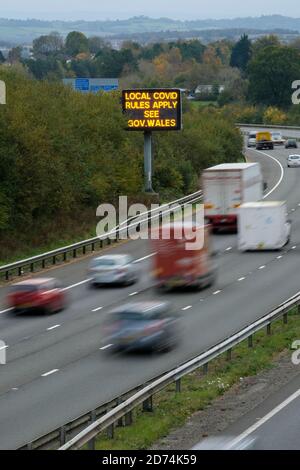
{"points": [[152, 109]]}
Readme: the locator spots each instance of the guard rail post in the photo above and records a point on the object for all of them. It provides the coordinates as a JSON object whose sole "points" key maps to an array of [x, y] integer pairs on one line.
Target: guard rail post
{"points": [[92, 442], [62, 435], [178, 385], [148, 405], [128, 419]]}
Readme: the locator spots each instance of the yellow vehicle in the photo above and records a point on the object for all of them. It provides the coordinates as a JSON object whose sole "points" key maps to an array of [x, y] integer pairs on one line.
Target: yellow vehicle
{"points": [[264, 141]]}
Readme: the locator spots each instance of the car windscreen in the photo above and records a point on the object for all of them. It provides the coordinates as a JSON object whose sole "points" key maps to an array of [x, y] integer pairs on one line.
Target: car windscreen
{"points": [[105, 262], [24, 288], [295, 157], [130, 316]]}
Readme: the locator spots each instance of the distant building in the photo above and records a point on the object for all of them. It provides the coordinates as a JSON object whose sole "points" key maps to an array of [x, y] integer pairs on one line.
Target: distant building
{"points": [[207, 89]]}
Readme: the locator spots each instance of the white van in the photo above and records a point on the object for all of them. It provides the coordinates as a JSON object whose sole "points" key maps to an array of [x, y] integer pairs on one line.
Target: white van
{"points": [[263, 226]]}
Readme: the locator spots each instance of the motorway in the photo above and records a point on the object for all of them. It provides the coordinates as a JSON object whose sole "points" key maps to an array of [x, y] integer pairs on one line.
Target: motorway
{"points": [[58, 367]]}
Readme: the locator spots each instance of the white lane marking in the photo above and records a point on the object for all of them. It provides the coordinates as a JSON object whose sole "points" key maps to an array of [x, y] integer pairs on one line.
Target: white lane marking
{"points": [[229, 248], [266, 418], [53, 327], [293, 210], [217, 292], [294, 248], [105, 347], [50, 373], [15, 389], [4, 347], [281, 171], [76, 285], [262, 267], [144, 258], [7, 310], [132, 294], [88, 280], [279, 257], [241, 279], [97, 309], [187, 308]]}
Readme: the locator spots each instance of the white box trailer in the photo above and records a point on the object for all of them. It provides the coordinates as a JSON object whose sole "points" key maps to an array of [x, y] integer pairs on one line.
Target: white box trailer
{"points": [[226, 187], [263, 226]]}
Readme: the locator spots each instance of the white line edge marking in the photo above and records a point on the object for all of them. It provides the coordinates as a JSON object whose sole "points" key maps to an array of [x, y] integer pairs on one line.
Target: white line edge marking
{"points": [[187, 308], [106, 347], [144, 258], [262, 267], [5, 311], [53, 327], [281, 169], [294, 247], [76, 285], [132, 294], [50, 372], [97, 309], [229, 248], [241, 279], [279, 257], [266, 418]]}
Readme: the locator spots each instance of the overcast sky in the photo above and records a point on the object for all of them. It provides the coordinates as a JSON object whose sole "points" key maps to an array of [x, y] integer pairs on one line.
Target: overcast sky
{"points": [[179, 9]]}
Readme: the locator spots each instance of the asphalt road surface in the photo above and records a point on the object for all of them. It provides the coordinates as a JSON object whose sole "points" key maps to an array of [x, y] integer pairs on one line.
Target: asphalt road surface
{"points": [[58, 367]]}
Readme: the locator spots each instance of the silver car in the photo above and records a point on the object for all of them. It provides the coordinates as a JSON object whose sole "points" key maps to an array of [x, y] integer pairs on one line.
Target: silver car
{"points": [[113, 269], [251, 141], [293, 161]]}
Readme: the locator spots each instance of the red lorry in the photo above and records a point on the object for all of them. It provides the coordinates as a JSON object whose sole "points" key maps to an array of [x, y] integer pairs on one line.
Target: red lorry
{"points": [[175, 264]]}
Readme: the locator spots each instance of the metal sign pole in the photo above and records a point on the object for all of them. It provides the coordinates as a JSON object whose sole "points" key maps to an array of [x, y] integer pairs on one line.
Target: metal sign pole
{"points": [[148, 161]]}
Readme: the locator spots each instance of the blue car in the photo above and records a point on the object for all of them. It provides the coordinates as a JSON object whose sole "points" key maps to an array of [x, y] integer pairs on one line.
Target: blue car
{"points": [[143, 326]]}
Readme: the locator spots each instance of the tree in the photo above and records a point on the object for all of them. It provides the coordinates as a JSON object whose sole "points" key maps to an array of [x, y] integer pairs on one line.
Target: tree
{"points": [[265, 41], [241, 53], [76, 43], [2, 58], [95, 44], [271, 73], [15, 55], [44, 46]]}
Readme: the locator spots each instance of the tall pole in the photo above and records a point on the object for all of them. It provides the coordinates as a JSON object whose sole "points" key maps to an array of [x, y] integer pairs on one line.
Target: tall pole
{"points": [[148, 161]]}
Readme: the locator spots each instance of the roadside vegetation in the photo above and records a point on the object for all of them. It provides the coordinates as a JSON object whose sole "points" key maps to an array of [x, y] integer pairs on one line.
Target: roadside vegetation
{"points": [[63, 153], [171, 410]]}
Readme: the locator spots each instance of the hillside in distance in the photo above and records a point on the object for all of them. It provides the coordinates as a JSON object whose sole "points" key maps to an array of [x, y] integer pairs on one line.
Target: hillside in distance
{"points": [[24, 31]]}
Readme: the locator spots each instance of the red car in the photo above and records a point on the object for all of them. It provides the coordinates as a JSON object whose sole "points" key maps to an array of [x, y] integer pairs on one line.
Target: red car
{"points": [[39, 294]]}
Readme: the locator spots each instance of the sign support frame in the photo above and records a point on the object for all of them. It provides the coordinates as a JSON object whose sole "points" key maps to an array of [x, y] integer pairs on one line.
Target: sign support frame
{"points": [[148, 170]]}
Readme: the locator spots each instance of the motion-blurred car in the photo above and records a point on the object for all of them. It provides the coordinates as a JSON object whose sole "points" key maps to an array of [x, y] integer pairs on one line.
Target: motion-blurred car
{"points": [[143, 326], [277, 138], [293, 161], [251, 142], [113, 269], [291, 144], [38, 294], [226, 443]]}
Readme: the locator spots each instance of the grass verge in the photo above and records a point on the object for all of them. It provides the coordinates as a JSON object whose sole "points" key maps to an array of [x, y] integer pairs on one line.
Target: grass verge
{"points": [[171, 410]]}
